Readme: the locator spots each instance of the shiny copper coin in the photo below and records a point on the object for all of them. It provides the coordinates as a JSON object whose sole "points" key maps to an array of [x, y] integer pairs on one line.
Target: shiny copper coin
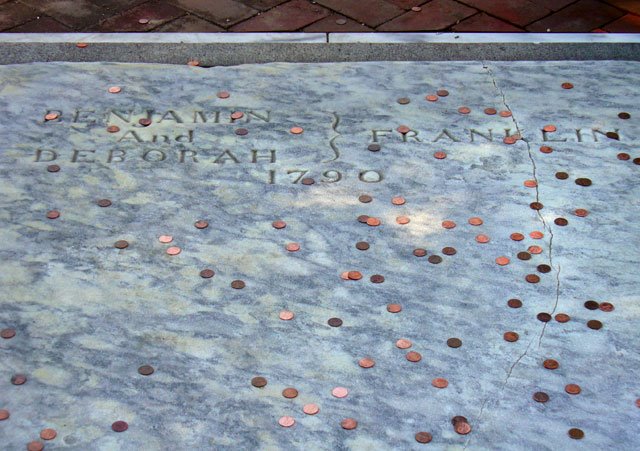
{"points": [[51, 116], [423, 437], [354, 275], [121, 244], [238, 284], [223, 95], [349, 423], [377, 278], [524, 255], [35, 446], [442, 93], [286, 315], [572, 389], [624, 115], [4, 414], [546, 149], [145, 122], [440, 155], [413, 356], [286, 421], [562, 175], [567, 85], [7, 333], [503, 261], [340, 392], [536, 205], [540, 396], [296, 130], [623, 156], [365, 198], [362, 245], [403, 129], [562, 318], [432, 98], [207, 273], [561, 222], [366, 362], [374, 147], [258, 381], [307, 181], [475, 221], [165, 239], [292, 247], [551, 364], [237, 115], [576, 433], [505, 113], [594, 324], [462, 428], [440, 382], [419, 252], [482, 238], [146, 370], [201, 224], [311, 409], [511, 336], [591, 305], [544, 317], [514, 303], [536, 235], [549, 128], [398, 200], [115, 89], [82, 45], [403, 100], [606, 306], [464, 110], [53, 214], [449, 250], [290, 393], [403, 343], [402, 220], [173, 250], [530, 183], [119, 426], [510, 140], [454, 342], [448, 224], [583, 181], [517, 236], [544, 269], [532, 278], [535, 250], [490, 111], [334, 322], [373, 222], [104, 203], [638, 402], [581, 212], [394, 308], [459, 419], [279, 224], [434, 259], [53, 168], [241, 131]]}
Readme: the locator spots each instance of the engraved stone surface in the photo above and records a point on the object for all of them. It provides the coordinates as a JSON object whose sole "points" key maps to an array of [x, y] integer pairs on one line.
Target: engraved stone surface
{"points": [[88, 314]]}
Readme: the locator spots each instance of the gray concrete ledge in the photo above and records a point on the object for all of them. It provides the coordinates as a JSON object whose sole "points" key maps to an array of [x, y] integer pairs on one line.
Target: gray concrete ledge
{"points": [[214, 49]]}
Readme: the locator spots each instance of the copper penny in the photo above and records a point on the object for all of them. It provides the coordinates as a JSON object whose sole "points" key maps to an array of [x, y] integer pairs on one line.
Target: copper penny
{"points": [[35, 446], [532, 278], [238, 284], [535, 250], [449, 250], [340, 392], [373, 222], [454, 342], [344, 275], [207, 273], [258, 381], [448, 224], [581, 212], [432, 98], [567, 85], [374, 147], [394, 308], [403, 100], [517, 236], [606, 306], [403, 129], [201, 224], [292, 247], [121, 244], [403, 343], [505, 113], [334, 322], [562, 222], [349, 423], [459, 419], [419, 252], [594, 324], [544, 269], [623, 156], [502, 261], [440, 155], [241, 131], [591, 305], [104, 203], [290, 393], [464, 110], [115, 89], [440, 382], [434, 259], [286, 315], [551, 364], [354, 275], [576, 433], [572, 389], [624, 115], [173, 250], [296, 130], [286, 421], [119, 426], [377, 278], [165, 239], [544, 317], [549, 128], [366, 362], [362, 245], [7, 333], [402, 220], [562, 318], [583, 181], [82, 45], [146, 370], [113, 129], [612, 135], [144, 121], [442, 93], [413, 356], [510, 140], [536, 235], [398, 200], [223, 95], [365, 198], [524, 255], [193, 63], [482, 238], [423, 437], [540, 396], [536, 205], [530, 183], [53, 214], [490, 111], [53, 168], [51, 116], [562, 175], [511, 336], [237, 115], [475, 221], [514, 303], [4, 414], [279, 224], [462, 428], [311, 409]]}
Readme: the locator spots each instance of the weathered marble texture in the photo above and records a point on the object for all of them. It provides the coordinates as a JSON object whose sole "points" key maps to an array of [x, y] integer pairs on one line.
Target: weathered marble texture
{"points": [[88, 315]]}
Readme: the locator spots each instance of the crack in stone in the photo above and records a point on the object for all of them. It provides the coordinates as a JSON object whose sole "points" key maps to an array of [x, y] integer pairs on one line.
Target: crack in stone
{"points": [[334, 125]]}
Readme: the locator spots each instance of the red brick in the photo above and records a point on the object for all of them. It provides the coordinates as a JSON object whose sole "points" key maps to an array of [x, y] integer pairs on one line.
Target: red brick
{"points": [[582, 16], [484, 22], [76, 14], [189, 24], [156, 11], [370, 12], [633, 6], [13, 14], [262, 5], [406, 4], [291, 16], [629, 23], [435, 15], [42, 25], [553, 5], [329, 25], [222, 12], [519, 12]]}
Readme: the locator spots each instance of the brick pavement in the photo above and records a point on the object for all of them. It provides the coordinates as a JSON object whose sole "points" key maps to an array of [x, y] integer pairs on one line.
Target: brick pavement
{"points": [[613, 16]]}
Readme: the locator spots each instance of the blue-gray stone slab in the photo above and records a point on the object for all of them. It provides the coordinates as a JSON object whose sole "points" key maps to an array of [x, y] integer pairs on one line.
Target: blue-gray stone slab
{"points": [[87, 315]]}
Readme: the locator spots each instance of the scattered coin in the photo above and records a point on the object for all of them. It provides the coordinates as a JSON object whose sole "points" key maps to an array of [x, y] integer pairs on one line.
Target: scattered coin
{"points": [[462, 428], [82, 45], [511, 336], [377, 278], [51, 116], [502, 261], [532, 278], [143, 21], [145, 122], [464, 110], [354, 275], [373, 222], [594, 324], [53, 168], [454, 342], [374, 147], [349, 423], [606, 306], [365, 198], [440, 382], [403, 100], [536, 235], [442, 93], [490, 111], [403, 343], [475, 221], [544, 317], [115, 89], [576, 433], [448, 224], [146, 370], [366, 362], [237, 115], [201, 224], [612, 135], [307, 181], [419, 252], [535, 250], [482, 238], [362, 245], [591, 305], [624, 115], [582, 181], [530, 183], [524, 255], [514, 303], [53, 214], [562, 318], [540, 396], [279, 224], [434, 259], [311, 409], [567, 85], [561, 222], [544, 269], [35, 446], [173, 250], [549, 128], [286, 315], [536, 205], [562, 175], [398, 200], [623, 156], [4, 414], [413, 356], [572, 389], [223, 95], [423, 437], [290, 393], [440, 155], [293, 247], [340, 392], [403, 129], [402, 220], [7, 333], [238, 284], [449, 250], [581, 212], [104, 203], [505, 113], [286, 421], [551, 364], [296, 130], [394, 308], [241, 131], [119, 426], [259, 381], [334, 322], [416, 9], [121, 244], [165, 239]]}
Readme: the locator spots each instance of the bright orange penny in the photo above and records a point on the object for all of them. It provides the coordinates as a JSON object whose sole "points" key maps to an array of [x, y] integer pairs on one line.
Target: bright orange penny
{"points": [[403, 220], [398, 200], [530, 183], [535, 250], [448, 224], [572, 389], [475, 221], [517, 236], [413, 356], [549, 128], [403, 129], [440, 382], [440, 155], [366, 362], [505, 113], [373, 221], [464, 110], [403, 343], [286, 315], [115, 89], [432, 98], [502, 261], [48, 434], [296, 130], [51, 116], [482, 238], [293, 247], [536, 235], [354, 275], [173, 250], [165, 239]]}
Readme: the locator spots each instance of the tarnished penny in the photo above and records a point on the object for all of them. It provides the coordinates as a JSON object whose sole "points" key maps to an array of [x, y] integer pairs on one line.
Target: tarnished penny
{"points": [[454, 342], [560, 222], [104, 203], [366, 362], [544, 269], [464, 110], [413, 356], [403, 343], [403, 100], [591, 305], [581, 212], [53, 168], [349, 423], [290, 393], [431, 98], [340, 392], [532, 278], [583, 181], [606, 307], [576, 433], [259, 381], [365, 198], [144, 121], [237, 115], [119, 426], [241, 131], [7, 333], [279, 224], [511, 336], [146, 370], [457, 419], [440, 382], [35, 446], [394, 308], [540, 396], [53, 214], [207, 273], [434, 259], [4, 414], [419, 252], [462, 428], [423, 437], [536, 205], [377, 278], [201, 224], [490, 111], [311, 409], [594, 324], [516, 236], [286, 315], [238, 284], [121, 244], [286, 421], [567, 85], [572, 389], [223, 95], [362, 245], [514, 303], [442, 92], [551, 364], [334, 322], [623, 156], [374, 147], [448, 250]]}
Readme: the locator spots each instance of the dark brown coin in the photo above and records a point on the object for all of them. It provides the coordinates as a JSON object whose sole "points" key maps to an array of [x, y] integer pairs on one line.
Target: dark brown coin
{"points": [[334, 322], [576, 433], [623, 156], [591, 305], [551, 364], [394, 308], [562, 175], [511, 336], [307, 181], [377, 278], [365, 198], [18, 379], [560, 222], [403, 100], [583, 181], [7, 333], [435, 259], [144, 121], [207, 273], [606, 306], [636, 160], [113, 129], [423, 437], [594, 324], [544, 317], [146, 370], [363, 219], [362, 245], [567, 85], [121, 244], [543, 268], [201, 224], [259, 381], [514, 303], [104, 203], [612, 135], [419, 252], [540, 396], [119, 426], [242, 131], [349, 423], [458, 419], [290, 393], [53, 168], [374, 147], [490, 111], [454, 342], [442, 93], [624, 115], [238, 284], [536, 205], [449, 250], [524, 255], [532, 278]]}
